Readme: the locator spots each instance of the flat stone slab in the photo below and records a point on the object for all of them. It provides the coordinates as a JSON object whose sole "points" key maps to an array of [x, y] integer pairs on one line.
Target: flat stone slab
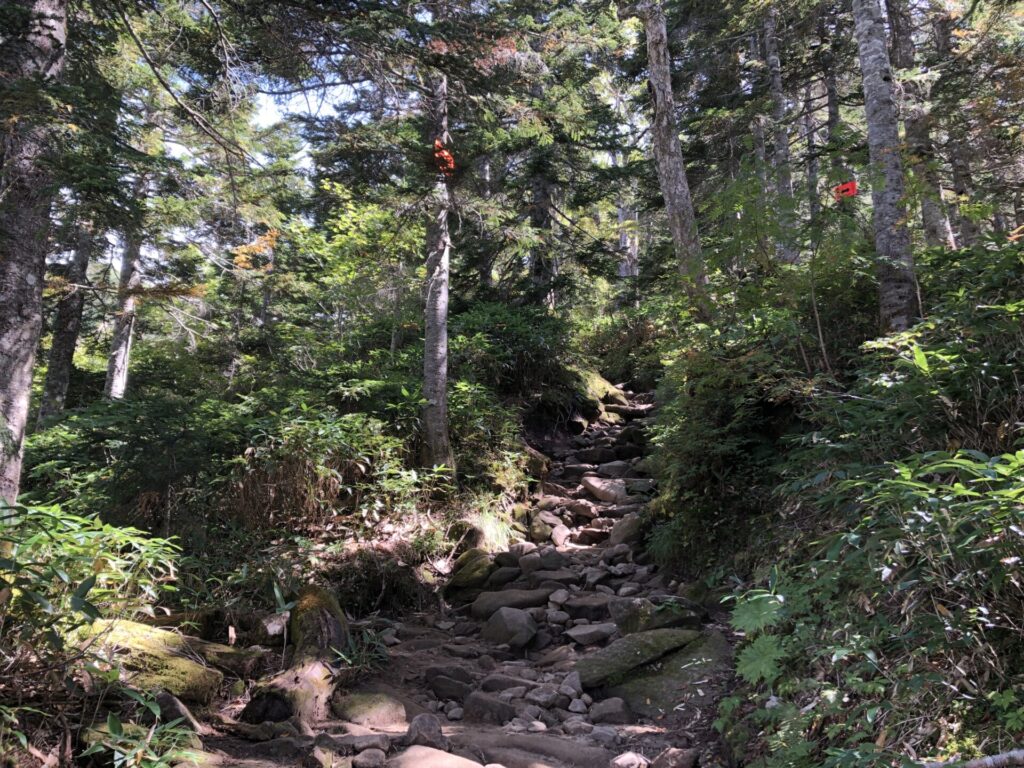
{"points": [[534, 750], [684, 676], [605, 489], [588, 634], [375, 710], [489, 602], [427, 757], [611, 663], [638, 614]]}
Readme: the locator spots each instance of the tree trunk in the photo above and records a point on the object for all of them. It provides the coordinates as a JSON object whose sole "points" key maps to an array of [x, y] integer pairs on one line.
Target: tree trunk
{"points": [[963, 188], [66, 325], [543, 266], [916, 121], [786, 251], [436, 443], [828, 31], [810, 131], [30, 55], [668, 156], [318, 630], [896, 283], [124, 323], [957, 147], [485, 268], [398, 299]]}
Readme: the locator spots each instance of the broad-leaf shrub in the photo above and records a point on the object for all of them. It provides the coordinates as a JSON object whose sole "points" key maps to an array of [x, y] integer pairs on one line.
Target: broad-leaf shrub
{"points": [[902, 634], [58, 572], [890, 627]]}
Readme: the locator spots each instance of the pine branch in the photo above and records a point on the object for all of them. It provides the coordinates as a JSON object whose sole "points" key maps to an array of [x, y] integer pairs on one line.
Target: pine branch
{"points": [[197, 119]]}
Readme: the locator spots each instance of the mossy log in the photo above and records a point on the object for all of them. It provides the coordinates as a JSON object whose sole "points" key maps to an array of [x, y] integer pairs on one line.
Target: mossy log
{"points": [[154, 659], [303, 690]]}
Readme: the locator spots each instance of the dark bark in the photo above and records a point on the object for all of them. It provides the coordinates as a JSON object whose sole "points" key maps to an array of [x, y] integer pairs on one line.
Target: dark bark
{"points": [[896, 284], [436, 442], [786, 250], [31, 57], [543, 265], [810, 131], [963, 188], [67, 323]]}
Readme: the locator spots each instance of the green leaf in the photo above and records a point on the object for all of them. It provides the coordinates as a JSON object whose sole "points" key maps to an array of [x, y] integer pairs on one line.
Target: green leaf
{"points": [[41, 601], [920, 359], [756, 611], [83, 589], [760, 660], [114, 725]]}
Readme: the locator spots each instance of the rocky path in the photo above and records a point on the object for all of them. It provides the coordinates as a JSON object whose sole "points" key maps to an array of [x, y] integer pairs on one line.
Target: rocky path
{"points": [[569, 650]]}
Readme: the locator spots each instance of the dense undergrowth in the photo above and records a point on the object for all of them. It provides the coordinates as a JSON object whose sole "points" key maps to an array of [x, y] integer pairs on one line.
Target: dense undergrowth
{"points": [[216, 496], [327, 451], [881, 608]]}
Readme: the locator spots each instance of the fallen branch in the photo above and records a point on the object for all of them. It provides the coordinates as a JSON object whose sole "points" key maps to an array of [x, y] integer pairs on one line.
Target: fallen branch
{"points": [[1014, 757]]}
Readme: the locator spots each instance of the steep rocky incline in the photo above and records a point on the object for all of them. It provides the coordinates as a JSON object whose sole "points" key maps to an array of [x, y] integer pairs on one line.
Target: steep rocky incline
{"points": [[569, 650]]}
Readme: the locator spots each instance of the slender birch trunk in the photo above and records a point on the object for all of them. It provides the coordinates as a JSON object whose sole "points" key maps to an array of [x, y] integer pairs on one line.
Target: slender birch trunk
{"points": [[130, 281], [32, 55], [668, 156], [436, 442], [897, 288], [917, 124], [67, 323]]}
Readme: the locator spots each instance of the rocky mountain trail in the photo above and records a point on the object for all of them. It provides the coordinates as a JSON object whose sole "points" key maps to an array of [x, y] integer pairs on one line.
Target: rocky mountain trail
{"points": [[571, 649]]}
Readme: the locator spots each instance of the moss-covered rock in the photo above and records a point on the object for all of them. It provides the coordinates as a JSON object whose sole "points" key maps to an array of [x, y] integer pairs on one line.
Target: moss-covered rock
{"points": [[592, 391], [537, 464], [470, 570], [638, 614], [154, 659], [540, 531], [369, 709], [685, 675], [612, 662]]}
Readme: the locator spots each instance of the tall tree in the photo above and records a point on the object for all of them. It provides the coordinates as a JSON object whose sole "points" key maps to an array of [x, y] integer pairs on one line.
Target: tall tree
{"points": [[917, 122], [32, 53], [67, 321], [896, 283], [668, 153], [787, 252], [129, 282], [437, 445]]}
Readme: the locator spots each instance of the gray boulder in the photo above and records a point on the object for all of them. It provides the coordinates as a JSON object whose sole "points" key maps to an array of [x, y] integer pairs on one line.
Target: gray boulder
{"points": [[509, 625], [489, 602]]}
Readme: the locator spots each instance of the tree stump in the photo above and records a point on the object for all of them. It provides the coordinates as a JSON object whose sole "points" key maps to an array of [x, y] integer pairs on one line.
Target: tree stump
{"points": [[303, 690]]}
